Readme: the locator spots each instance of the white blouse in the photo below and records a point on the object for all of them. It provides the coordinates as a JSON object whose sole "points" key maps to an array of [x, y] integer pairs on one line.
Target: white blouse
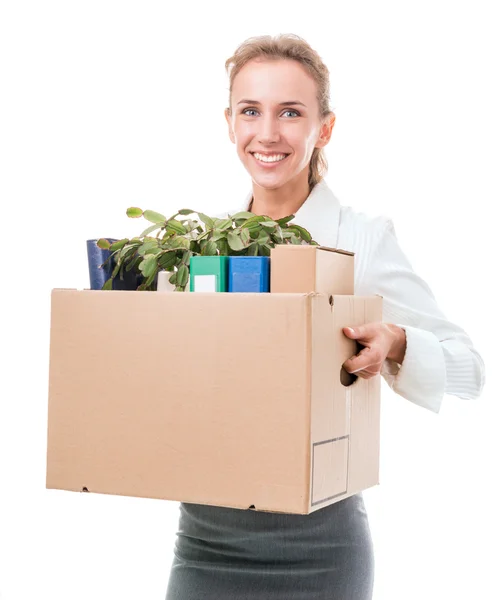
{"points": [[440, 357]]}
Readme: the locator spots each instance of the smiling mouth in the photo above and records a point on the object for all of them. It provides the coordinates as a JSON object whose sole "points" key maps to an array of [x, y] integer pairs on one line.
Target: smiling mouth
{"points": [[268, 160]]}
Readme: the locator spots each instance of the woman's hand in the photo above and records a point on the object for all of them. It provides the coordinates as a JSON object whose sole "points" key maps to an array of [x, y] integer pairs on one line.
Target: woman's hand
{"points": [[381, 341]]}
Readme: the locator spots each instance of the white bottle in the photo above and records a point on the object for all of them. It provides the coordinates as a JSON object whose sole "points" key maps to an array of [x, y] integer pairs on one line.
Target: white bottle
{"points": [[163, 284]]}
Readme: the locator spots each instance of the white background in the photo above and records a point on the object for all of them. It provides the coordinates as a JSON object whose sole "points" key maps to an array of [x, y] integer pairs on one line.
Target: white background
{"points": [[106, 105]]}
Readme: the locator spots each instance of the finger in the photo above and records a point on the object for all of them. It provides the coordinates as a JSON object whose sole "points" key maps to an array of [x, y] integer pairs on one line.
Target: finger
{"points": [[370, 372], [367, 373], [366, 358], [356, 367], [362, 332]]}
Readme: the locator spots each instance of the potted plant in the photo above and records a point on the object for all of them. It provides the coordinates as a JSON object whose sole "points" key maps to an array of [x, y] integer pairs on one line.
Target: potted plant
{"points": [[176, 240]]}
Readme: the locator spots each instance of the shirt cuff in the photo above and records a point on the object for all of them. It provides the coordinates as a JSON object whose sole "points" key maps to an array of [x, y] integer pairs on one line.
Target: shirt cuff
{"points": [[422, 376]]}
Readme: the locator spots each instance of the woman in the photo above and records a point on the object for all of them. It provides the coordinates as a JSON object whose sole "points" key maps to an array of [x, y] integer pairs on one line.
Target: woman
{"points": [[279, 119]]}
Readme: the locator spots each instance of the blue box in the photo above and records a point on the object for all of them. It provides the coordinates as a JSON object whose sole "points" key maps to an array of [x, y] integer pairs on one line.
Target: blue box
{"points": [[249, 274]]}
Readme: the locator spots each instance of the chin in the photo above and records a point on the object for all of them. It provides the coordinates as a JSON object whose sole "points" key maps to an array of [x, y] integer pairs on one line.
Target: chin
{"points": [[267, 184]]}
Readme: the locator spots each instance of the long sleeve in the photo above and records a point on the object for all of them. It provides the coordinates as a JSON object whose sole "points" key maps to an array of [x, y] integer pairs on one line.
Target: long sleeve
{"points": [[440, 357]]}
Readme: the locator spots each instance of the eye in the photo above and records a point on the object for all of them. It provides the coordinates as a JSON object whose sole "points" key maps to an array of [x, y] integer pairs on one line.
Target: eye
{"points": [[295, 112]]}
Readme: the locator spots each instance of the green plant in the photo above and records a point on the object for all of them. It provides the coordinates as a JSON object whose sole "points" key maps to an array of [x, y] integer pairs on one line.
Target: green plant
{"points": [[176, 240]]}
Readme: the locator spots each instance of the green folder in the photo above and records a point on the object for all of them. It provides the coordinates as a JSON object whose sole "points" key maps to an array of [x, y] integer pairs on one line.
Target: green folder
{"points": [[209, 273]]}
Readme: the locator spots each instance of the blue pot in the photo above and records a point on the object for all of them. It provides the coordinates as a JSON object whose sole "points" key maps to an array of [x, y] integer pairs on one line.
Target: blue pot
{"points": [[99, 276]]}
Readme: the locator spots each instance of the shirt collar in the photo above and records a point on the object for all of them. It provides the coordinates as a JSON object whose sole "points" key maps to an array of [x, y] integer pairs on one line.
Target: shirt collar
{"points": [[319, 214]]}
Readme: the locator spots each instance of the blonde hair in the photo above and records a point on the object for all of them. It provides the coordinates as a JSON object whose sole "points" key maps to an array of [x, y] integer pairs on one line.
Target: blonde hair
{"points": [[288, 46]]}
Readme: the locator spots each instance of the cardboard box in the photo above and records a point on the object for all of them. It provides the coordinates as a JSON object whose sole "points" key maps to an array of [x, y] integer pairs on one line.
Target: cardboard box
{"points": [[224, 399], [311, 269]]}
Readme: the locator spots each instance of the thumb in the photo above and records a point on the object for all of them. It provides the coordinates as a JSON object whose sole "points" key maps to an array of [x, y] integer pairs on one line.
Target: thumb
{"points": [[351, 332]]}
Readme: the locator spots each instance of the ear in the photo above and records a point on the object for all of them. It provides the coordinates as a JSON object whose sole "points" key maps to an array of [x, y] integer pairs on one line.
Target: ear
{"points": [[326, 131], [230, 125]]}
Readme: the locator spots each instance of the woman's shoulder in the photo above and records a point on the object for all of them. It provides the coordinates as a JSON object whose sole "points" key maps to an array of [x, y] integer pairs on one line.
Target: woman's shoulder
{"points": [[359, 229]]}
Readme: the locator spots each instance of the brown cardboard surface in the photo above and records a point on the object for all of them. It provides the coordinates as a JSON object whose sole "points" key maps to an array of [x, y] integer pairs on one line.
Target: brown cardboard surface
{"points": [[305, 268], [223, 399]]}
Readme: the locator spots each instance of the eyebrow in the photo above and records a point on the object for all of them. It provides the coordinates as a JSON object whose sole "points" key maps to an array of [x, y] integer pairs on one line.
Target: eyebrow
{"points": [[290, 103]]}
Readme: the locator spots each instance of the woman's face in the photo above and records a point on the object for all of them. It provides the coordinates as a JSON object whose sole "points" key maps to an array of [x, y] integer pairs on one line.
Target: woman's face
{"points": [[274, 111]]}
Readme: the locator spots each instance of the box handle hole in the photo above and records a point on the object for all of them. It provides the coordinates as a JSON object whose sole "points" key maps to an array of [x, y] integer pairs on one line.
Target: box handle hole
{"points": [[347, 379]]}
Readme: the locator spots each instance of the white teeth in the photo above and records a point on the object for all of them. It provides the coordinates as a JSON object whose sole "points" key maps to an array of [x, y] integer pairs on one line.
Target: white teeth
{"points": [[273, 158]]}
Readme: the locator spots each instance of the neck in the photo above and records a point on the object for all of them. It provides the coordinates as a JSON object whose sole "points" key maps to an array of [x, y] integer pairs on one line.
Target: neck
{"points": [[280, 202]]}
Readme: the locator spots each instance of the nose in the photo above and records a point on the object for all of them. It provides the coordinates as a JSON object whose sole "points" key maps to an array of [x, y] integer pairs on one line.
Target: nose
{"points": [[269, 130]]}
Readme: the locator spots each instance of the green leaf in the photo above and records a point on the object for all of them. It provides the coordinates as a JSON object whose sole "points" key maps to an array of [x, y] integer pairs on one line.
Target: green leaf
{"points": [[209, 249], [148, 265], [224, 224], [103, 244], [305, 236], [150, 280], [108, 284], [192, 225], [167, 260], [253, 223], [146, 246], [243, 215], [182, 276], [256, 219], [134, 262], [172, 278], [186, 211], [269, 223], [252, 250], [153, 250], [185, 259], [134, 212], [219, 235], [285, 220], [127, 250], [263, 237], [179, 242], [253, 228], [245, 236], [222, 246], [115, 270], [195, 248], [207, 220], [175, 226], [202, 236], [264, 251], [152, 228], [119, 244], [154, 217], [235, 242]]}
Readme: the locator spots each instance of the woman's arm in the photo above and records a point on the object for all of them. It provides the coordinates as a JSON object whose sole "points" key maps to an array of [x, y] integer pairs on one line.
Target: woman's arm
{"points": [[439, 356]]}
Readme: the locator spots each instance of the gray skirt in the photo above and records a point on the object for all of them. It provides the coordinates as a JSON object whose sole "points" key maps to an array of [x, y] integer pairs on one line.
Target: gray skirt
{"points": [[231, 554]]}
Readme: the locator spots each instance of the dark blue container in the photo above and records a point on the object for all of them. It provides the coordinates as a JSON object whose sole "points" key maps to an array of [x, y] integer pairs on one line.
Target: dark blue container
{"points": [[98, 276], [95, 258], [249, 274]]}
